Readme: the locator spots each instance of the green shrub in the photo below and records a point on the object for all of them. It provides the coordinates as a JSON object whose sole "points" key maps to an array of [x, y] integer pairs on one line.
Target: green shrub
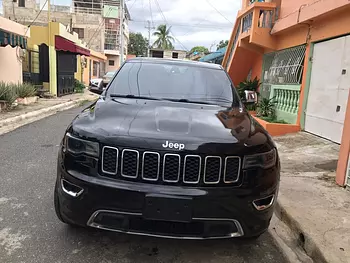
{"points": [[273, 120], [25, 90], [7, 93], [79, 86], [266, 108], [251, 85]]}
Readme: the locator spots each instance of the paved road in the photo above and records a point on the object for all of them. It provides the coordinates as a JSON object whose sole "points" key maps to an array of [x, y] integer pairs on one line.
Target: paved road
{"points": [[30, 231]]}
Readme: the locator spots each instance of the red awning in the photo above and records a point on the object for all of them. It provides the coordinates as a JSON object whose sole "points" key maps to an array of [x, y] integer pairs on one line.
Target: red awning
{"points": [[66, 45]]}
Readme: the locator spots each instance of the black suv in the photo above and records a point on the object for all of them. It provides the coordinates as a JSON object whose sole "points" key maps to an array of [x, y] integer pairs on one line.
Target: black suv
{"points": [[168, 150]]}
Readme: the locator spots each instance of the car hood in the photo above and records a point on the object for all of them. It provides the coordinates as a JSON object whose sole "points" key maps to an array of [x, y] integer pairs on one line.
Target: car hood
{"points": [[150, 124]]}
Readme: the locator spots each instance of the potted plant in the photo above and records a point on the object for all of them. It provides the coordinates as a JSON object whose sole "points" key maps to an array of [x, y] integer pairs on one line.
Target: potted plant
{"points": [[26, 93], [266, 109], [7, 95], [248, 85]]}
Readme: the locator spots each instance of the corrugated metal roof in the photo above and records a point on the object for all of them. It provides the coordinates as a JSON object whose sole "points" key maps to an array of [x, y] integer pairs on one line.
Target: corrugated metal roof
{"points": [[214, 55]]}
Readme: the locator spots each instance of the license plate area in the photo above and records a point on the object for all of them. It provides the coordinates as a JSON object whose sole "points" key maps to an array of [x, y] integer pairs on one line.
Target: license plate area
{"points": [[167, 208]]}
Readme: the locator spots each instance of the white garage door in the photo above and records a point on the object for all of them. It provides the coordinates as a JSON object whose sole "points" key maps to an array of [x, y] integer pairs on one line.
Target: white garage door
{"points": [[329, 89]]}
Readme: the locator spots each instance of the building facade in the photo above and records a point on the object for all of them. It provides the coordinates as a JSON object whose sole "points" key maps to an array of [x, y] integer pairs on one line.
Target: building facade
{"points": [[13, 40], [300, 51], [97, 23], [160, 53], [58, 60]]}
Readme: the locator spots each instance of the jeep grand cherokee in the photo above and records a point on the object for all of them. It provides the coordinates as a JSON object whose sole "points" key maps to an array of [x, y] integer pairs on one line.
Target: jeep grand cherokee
{"points": [[168, 150]]}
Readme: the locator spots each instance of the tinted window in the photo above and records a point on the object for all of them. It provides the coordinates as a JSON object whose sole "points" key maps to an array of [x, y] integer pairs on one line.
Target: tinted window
{"points": [[174, 81]]}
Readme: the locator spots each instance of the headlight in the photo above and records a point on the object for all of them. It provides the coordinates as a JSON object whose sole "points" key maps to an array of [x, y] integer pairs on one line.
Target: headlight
{"points": [[262, 160], [78, 146]]}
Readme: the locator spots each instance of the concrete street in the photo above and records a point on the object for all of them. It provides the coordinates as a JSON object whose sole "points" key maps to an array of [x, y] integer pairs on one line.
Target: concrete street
{"points": [[30, 231]]}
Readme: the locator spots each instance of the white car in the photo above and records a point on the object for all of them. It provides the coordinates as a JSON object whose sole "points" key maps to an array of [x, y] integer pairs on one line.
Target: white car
{"points": [[96, 85]]}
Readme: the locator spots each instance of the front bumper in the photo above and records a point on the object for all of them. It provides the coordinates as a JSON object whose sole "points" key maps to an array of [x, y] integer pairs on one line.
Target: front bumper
{"points": [[215, 212]]}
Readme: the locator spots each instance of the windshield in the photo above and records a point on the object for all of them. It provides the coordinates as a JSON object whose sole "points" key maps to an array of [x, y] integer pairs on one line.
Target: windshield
{"points": [[175, 81]]}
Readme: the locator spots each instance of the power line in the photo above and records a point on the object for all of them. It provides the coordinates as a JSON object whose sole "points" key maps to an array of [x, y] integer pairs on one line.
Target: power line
{"points": [[190, 31], [218, 11], [36, 17], [132, 5], [198, 25], [150, 10], [162, 14], [98, 28], [149, 27]]}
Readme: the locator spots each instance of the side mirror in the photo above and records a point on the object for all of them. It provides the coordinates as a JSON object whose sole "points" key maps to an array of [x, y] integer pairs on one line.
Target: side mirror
{"points": [[96, 91], [250, 97]]}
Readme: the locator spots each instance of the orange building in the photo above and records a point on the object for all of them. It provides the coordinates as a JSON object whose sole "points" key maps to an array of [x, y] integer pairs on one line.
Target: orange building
{"points": [[300, 51], [94, 66]]}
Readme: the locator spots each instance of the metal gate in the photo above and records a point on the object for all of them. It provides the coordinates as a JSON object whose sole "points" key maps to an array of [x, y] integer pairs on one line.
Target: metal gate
{"points": [[329, 89], [66, 67], [36, 65]]}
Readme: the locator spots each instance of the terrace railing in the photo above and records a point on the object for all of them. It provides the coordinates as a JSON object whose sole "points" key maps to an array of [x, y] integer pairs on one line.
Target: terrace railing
{"points": [[286, 99]]}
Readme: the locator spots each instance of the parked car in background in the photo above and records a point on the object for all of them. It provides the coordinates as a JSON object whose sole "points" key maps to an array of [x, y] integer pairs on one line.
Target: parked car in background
{"points": [[107, 78], [96, 85]]}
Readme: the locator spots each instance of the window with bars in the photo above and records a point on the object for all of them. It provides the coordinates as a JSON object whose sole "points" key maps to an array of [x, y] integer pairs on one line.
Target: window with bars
{"points": [[284, 66]]}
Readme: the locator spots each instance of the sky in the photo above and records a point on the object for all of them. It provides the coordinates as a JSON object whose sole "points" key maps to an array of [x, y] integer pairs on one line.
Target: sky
{"points": [[194, 22]]}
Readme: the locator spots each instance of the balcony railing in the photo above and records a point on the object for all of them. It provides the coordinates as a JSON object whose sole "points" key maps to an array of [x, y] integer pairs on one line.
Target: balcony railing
{"points": [[247, 22], [265, 18], [232, 49], [286, 99]]}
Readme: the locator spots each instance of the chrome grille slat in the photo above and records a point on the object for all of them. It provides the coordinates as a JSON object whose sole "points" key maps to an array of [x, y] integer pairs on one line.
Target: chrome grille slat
{"points": [[170, 175], [212, 169], [231, 172], [128, 158], [110, 164], [216, 169], [192, 169], [150, 166]]}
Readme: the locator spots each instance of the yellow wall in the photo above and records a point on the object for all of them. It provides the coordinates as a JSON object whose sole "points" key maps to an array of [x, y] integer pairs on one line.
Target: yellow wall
{"points": [[38, 35], [53, 70]]}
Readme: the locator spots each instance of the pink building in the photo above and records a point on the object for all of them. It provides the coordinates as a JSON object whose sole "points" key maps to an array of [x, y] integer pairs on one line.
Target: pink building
{"points": [[12, 42]]}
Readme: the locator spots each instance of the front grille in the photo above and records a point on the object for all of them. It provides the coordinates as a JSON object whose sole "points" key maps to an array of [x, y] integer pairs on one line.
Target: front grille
{"points": [[150, 166], [212, 170], [192, 169], [169, 168], [232, 165], [110, 160], [130, 163]]}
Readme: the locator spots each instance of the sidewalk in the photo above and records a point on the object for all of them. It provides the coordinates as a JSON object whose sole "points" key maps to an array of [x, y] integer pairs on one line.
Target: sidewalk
{"points": [[22, 115], [310, 203]]}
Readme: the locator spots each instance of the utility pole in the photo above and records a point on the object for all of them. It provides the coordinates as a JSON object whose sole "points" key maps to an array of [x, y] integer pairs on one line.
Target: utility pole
{"points": [[149, 27], [122, 31]]}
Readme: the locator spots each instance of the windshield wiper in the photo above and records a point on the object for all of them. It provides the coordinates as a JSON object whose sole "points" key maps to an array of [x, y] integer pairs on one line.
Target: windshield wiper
{"points": [[132, 96], [187, 101]]}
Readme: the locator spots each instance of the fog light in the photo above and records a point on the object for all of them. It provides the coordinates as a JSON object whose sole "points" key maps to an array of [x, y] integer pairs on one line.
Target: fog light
{"points": [[71, 189], [264, 203]]}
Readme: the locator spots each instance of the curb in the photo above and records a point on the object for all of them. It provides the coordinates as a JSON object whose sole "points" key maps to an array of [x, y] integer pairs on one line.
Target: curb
{"points": [[36, 113], [13, 123], [300, 235]]}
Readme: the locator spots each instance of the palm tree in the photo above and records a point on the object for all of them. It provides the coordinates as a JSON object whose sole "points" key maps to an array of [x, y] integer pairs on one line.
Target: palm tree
{"points": [[164, 40]]}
